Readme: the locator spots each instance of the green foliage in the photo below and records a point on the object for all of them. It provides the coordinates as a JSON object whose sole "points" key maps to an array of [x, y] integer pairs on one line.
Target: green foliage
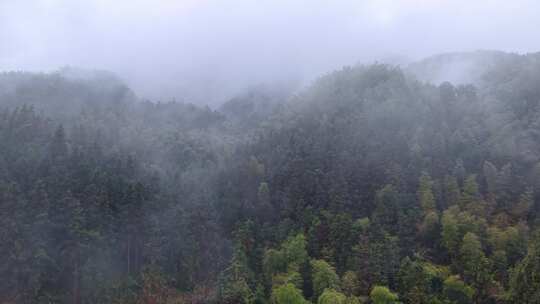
{"points": [[323, 276], [287, 294], [457, 292], [429, 229], [523, 206], [499, 260], [413, 282], [470, 192], [350, 283], [420, 281], [234, 287], [476, 267], [287, 260], [524, 283], [110, 199], [425, 193], [383, 263], [292, 277], [332, 236], [451, 233], [362, 224], [382, 295], [330, 296], [491, 175], [452, 193], [512, 240], [387, 206], [455, 224], [294, 250]]}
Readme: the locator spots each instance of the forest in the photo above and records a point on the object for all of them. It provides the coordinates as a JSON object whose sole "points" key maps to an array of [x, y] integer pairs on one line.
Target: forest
{"points": [[415, 184]]}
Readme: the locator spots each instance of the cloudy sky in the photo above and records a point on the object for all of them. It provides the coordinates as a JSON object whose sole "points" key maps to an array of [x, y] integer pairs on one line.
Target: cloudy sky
{"points": [[202, 50]]}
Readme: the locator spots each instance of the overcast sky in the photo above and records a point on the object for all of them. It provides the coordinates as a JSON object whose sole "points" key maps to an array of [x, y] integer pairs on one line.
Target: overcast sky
{"points": [[203, 50]]}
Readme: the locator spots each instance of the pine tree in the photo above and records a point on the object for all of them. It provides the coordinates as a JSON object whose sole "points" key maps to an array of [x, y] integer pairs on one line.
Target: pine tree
{"points": [[58, 149], [412, 282], [470, 192], [456, 291], [451, 191], [524, 283], [425, 193], [476, 267]]}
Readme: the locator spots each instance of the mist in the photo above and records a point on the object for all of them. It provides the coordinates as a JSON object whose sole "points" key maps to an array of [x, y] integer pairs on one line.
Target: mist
{"points": [[205, 51], [269, 152]]}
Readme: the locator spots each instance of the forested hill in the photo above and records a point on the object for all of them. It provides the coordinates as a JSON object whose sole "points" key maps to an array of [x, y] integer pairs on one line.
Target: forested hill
{"points": [[372, 185]]}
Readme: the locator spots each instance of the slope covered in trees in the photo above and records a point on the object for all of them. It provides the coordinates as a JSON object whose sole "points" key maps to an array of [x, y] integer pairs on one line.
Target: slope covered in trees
{"points": [[373, 185]]}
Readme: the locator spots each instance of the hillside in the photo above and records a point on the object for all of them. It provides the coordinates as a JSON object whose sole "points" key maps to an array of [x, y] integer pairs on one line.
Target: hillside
{"points": [[373, 184]]}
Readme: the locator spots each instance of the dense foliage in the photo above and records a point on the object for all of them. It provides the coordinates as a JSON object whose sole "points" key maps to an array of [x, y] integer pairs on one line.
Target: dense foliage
{"points": [[369, 186]]}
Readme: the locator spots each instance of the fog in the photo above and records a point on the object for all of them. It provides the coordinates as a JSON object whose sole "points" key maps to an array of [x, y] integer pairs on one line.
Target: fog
{"points": [[206, 50], [295, 168]]}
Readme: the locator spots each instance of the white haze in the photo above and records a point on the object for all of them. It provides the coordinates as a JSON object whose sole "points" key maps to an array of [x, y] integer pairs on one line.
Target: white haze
{"points": [[206, 50]]}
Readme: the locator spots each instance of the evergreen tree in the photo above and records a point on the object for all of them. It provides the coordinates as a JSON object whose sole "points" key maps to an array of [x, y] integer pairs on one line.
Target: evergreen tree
{"points": [[452, 193], [456, 291], [524, 285], [476, 267], [425, 194], [412, 282]]}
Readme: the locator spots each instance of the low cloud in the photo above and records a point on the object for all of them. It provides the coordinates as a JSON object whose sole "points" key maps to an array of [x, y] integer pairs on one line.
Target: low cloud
{"points": [[206, 50]]}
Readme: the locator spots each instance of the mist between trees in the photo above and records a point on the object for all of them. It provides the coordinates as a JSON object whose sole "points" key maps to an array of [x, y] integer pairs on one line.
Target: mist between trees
{"points": [[374, 184]]}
